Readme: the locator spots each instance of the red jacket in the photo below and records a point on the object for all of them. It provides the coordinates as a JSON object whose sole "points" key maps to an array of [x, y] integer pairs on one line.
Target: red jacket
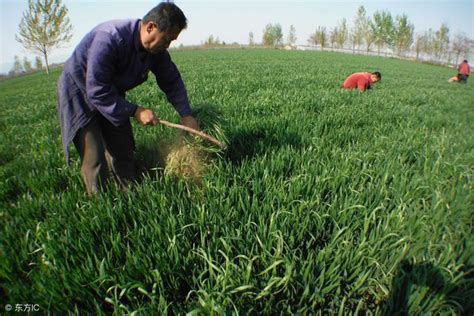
{"points": [[464, 69], [359, 80]]}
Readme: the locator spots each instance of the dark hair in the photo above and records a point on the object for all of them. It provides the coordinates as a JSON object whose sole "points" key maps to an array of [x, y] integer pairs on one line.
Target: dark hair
{"points": [[166, 16], [465, 61], [378, 75]]}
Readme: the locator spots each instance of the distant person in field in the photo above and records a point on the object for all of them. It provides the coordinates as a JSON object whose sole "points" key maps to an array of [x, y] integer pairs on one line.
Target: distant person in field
{"points": [[455, 78], [111, 59], [361, 80], [464, 70]]}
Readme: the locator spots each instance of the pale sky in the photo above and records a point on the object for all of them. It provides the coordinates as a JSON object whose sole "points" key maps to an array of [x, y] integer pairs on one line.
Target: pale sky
{"points": [[232, 20]]}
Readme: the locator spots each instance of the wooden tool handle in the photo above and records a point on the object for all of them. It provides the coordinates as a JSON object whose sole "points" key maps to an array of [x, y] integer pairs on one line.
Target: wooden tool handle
{"points": [[193, 131]]}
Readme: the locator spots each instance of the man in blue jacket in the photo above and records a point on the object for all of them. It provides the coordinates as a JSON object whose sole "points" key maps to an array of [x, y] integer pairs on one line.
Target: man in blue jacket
{"points": [[113, 58]]}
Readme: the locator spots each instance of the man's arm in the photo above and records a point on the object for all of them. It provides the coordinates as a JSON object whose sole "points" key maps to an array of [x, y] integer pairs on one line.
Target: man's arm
{"points": [[170, 82]]}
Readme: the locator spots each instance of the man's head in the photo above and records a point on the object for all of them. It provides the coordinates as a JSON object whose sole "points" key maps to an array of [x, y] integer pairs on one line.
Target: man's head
{"points": [[465, 61], [161, 26], [375, 76]]}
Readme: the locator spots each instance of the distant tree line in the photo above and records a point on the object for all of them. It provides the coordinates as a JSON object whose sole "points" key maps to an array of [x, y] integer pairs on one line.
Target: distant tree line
{"points": [[214, 41], [45, 26], [382, 34], [25, 65]]}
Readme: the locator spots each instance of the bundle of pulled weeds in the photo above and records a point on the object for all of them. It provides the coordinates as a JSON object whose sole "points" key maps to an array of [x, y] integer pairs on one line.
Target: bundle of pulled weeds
{"points": [[189, 157]]}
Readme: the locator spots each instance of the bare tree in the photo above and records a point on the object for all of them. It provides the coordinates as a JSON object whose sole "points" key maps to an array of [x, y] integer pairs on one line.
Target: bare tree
{"points": [[267, 39], [44, 26], [38, 63], [461, 45], [333, 36], [292, 36], [212, 41], [321, 35], [313, 39], [251, 40], [17, 66], [428, 43], [441, 42], [27, 64], [418, 45]]}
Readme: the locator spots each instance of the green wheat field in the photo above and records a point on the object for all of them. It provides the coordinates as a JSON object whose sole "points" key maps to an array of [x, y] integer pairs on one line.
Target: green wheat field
{"points": [[325, 201]]}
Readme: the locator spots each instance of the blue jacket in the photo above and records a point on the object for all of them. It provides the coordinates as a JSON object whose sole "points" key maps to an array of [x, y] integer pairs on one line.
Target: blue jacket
{"points": [[108, 62]]}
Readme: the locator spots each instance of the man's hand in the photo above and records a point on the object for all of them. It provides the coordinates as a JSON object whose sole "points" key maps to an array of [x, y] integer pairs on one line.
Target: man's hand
{"points": [[190, 121], [145, 116]]}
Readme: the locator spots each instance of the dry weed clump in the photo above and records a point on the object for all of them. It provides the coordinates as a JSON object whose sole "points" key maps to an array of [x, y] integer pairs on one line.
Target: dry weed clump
{"points": [[189, 157], [186, 161]]}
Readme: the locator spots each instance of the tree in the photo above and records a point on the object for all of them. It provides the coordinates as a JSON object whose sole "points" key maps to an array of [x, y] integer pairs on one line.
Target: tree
{"points": [[368, 35], [313, 39], [461, 46], [428, 43], [44, 26], [321, 36], [418, 45], [27, 64], [267, 38], [402, 34], [360, 27], [333, 36], [17, 66], [38, 63], [277, 34], [441, 41], [272, 35], [251, 40], [342, 34], [212, 41], [292, 36], [382, 29]]}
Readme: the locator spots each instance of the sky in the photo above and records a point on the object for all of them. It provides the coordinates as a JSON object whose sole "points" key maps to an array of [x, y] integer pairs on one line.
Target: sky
{"points": [[233, 20]]}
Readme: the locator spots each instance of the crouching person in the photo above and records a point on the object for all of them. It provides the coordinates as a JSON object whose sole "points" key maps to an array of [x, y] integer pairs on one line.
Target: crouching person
{"points": [[361, 80], [111, 59]]}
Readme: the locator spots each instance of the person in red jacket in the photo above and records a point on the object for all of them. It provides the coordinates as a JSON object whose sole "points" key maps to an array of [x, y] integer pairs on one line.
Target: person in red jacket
{"points": [[464, 71], [361, 80]]}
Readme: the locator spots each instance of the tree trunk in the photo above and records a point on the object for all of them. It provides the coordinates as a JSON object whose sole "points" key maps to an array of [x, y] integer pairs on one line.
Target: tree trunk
{"points": [[46, 62]]}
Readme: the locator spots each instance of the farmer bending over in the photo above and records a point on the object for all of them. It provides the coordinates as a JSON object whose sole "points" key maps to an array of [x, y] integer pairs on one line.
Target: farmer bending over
{"points": [[362, 80], [111, 59]]}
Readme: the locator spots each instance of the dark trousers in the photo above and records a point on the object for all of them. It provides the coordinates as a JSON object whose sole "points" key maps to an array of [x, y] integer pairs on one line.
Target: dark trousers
{"points": [[103, 146], [463, 78]]}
